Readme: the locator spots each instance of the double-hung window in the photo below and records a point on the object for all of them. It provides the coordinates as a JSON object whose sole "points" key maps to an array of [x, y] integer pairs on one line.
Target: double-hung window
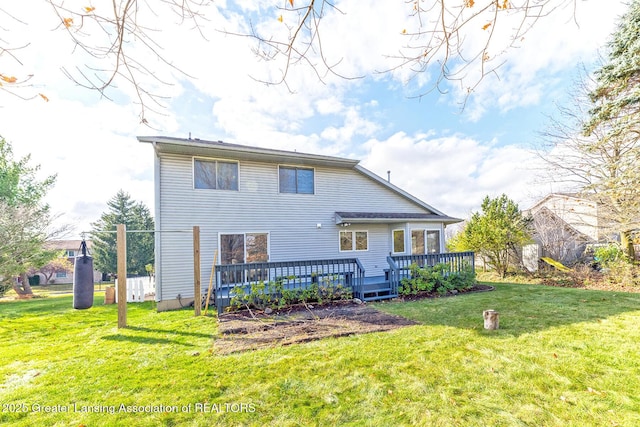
{"points": [[215, 174], [296, 180]]}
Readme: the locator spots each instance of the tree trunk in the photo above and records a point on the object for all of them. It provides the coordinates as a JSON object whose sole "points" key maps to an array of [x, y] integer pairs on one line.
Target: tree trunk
{"points": [[627, 245], [491, 319], [23, 289]]}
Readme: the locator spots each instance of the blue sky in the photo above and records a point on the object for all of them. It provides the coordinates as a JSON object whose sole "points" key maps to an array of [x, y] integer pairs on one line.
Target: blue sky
{"points": [[447, 156]]}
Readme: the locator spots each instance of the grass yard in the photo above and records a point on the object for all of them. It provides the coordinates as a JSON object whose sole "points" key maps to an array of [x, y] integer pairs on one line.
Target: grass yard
{"points": [[562, 357]]}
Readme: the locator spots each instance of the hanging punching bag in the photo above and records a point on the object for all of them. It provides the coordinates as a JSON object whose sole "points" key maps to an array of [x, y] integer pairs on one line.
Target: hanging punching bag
{"points": [[83, 279]]}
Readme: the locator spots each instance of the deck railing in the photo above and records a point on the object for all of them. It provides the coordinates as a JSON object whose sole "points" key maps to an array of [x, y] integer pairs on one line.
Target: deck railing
{"points": [[399, 265], [394, 275], [294, 275]]}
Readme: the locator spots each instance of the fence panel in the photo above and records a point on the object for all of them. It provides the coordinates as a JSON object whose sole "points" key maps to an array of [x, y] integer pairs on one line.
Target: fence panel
{"points": [[138, 288]]}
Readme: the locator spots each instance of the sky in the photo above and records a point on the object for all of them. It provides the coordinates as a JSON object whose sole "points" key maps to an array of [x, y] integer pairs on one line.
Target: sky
{"points": [[439, 145]]}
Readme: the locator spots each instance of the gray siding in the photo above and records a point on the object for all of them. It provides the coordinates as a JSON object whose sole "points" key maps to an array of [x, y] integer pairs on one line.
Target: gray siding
{"points": [[290, 219]]}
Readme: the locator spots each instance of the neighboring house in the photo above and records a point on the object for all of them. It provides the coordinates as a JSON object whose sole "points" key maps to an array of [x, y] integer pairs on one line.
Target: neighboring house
{"points": [[264, 205], [71, 249], [564, 224]]}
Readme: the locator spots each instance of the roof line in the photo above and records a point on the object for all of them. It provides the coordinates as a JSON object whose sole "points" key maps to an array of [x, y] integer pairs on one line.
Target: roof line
{"points": [[244, 149], [398, 190]]}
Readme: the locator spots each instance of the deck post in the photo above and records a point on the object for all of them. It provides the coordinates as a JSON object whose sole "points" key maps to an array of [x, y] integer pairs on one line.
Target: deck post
{"points": [[121, 247], [197, 293]]}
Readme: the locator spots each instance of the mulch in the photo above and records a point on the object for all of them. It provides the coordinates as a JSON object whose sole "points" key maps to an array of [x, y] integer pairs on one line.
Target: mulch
{"points": [[246, 330]]}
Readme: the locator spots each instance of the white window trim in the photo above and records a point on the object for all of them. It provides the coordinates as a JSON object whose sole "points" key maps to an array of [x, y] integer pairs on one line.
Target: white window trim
{"points": [[353, 240], [393, 241], [211, 159], [244, 234], [424, 232], [298, 167]]}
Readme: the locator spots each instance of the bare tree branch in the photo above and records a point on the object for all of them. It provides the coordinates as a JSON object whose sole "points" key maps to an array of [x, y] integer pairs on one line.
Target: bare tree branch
{"points": [[462, 41], [443, 43]]}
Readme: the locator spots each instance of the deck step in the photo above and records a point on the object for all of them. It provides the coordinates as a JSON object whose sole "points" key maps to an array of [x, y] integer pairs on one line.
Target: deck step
{"points": [[380, 297], [376, 290]]}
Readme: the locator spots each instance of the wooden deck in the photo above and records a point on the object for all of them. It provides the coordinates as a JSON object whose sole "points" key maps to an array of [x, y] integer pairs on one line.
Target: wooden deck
{"points": [[349, 272]]}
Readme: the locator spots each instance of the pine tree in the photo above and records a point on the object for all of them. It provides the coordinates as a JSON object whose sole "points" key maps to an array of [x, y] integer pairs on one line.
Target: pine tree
{"points": [[614, 125], [140, 246]]}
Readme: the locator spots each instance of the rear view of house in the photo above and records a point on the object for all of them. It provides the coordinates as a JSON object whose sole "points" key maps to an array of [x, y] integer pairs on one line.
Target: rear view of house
{"points": [[257, 205]]}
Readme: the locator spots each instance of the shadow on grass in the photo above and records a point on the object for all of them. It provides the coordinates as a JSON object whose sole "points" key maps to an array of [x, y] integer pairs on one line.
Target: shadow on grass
{"points": [[523, 308], [172, 331], [139, 339], [36, 306]]}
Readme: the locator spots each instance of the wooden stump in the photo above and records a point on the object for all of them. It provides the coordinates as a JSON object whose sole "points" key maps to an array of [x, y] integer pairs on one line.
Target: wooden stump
{"points": [[110, 295], [491, 319]]}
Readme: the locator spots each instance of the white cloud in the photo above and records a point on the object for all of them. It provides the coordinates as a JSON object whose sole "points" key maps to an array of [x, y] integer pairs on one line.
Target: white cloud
{"points": [[454, 173], [354, 124], [90, 142], [89, 148], [557, 43]]}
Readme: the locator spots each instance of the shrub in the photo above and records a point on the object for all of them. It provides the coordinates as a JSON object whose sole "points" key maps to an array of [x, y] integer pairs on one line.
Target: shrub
{"points": [[623, 273], [276, 294], [616, 267], [438, 279], [607, 255]]}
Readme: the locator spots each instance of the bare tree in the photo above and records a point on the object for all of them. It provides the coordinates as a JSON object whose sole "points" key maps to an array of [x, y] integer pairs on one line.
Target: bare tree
{"points": [[600, 166], [461, 40], [438, 39], [117, 43], [559, 240]]}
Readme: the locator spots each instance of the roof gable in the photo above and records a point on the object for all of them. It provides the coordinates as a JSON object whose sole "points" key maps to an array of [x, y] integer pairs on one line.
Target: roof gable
{"points": [[197, 147]]}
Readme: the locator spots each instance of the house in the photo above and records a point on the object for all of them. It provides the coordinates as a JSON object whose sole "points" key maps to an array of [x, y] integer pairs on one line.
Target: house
{"points": [[564, 225], [258, 205], [69, 249]]}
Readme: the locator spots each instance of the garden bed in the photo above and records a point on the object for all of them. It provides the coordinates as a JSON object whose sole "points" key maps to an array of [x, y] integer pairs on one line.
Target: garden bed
{"points": [[245, 330]]}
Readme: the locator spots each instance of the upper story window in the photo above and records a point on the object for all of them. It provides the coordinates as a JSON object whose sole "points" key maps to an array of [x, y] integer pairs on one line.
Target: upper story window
{"points": [[215, 174], [296, 180]]}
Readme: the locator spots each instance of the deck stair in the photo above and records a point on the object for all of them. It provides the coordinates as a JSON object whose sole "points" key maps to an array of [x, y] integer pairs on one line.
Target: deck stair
{"points": [[376, 288]]}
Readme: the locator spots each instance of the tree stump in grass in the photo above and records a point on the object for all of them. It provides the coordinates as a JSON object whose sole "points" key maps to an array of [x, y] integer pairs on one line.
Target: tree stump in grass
{"points": [[491, 319]]}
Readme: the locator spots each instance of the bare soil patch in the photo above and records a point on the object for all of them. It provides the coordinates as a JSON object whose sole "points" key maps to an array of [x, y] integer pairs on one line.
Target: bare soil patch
{"points": [[251, 330], [244, 330]]}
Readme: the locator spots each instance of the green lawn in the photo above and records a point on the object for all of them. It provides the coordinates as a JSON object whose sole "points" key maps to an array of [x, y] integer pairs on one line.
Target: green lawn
{"points": [[562, 357]]}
